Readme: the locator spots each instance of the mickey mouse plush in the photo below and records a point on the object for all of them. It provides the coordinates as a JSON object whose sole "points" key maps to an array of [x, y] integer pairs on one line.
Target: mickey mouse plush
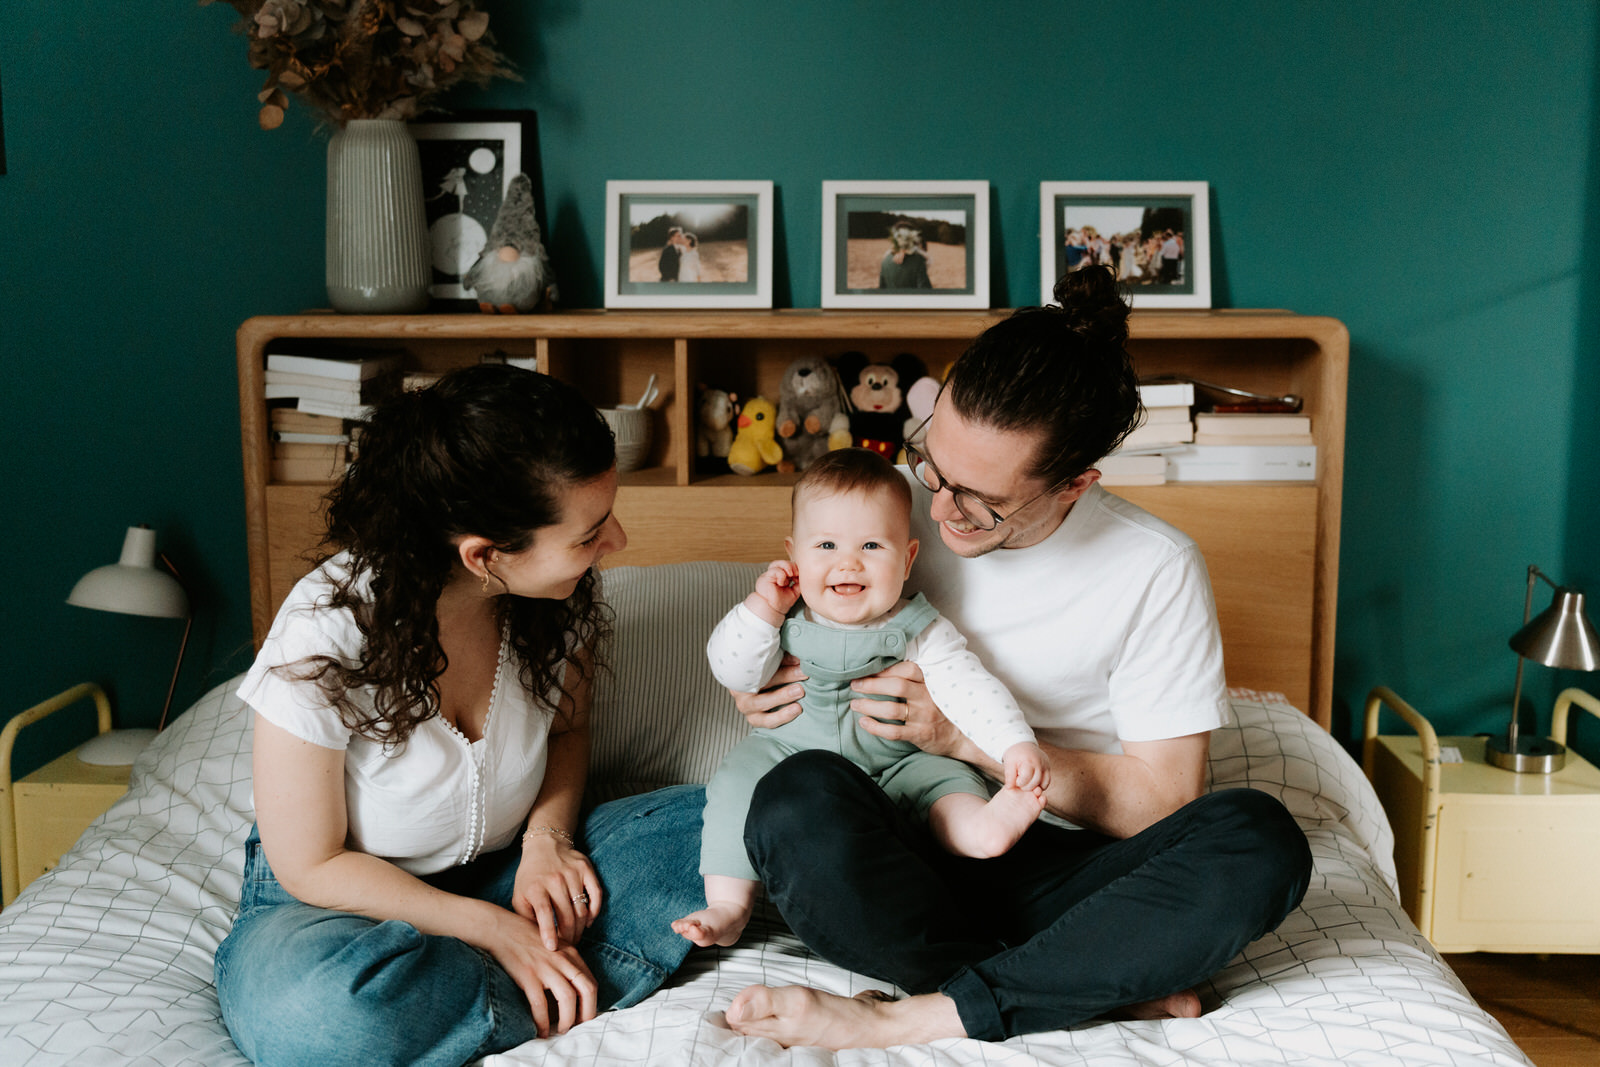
{"points": [[877, 394]]}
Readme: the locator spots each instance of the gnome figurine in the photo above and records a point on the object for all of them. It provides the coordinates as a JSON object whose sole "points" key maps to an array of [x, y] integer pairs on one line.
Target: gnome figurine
{"points": [[513, 271]]}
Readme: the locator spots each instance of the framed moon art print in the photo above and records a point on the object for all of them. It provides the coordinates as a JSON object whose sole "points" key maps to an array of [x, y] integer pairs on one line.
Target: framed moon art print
{"points": [[467, 166]]}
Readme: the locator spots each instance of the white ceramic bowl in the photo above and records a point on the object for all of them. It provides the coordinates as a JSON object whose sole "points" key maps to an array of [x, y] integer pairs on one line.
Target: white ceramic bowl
{"points": [[631, 428]]}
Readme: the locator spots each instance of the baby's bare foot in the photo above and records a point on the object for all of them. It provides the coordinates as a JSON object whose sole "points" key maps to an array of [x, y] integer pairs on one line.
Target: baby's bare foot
{"points": [[1003, 821], [968, 825], [716, 924]]}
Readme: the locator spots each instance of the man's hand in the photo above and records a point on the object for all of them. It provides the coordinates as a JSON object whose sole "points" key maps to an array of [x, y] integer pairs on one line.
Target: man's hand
{"points": [[924, 725], [779, 702]]}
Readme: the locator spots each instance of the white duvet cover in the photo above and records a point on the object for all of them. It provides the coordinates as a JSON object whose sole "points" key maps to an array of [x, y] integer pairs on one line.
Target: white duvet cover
{"points": [[107, 959]]}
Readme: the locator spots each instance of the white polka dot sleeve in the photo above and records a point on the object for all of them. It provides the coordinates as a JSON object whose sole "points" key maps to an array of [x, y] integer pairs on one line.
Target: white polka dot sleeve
{"points": [[743, 651], [974, 700]]}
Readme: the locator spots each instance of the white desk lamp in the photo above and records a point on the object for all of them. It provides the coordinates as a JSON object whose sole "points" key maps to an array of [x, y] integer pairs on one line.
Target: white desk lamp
{"points": [[134, 586]]}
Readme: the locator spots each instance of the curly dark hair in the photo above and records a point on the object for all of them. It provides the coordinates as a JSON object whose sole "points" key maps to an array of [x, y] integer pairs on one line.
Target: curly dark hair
{"points": [[486, 451], [1062, 369]]}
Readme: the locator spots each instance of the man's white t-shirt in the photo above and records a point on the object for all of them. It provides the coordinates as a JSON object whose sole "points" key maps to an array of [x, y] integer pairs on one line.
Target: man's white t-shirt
{"points": [[436, 801], [1104, 632]]}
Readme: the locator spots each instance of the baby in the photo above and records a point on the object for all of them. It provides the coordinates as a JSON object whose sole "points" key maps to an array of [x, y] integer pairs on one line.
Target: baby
{"points": [[835, 603]]}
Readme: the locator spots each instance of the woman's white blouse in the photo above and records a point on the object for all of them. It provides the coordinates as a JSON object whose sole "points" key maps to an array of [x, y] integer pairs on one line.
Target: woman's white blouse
{"points": [[436, 801]]}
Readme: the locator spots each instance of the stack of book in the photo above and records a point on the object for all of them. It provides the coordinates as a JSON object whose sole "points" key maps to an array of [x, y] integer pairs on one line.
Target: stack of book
{"points": [[307, 448], [1247, 447], [310, 440], [342, 388], [1141, 459]]}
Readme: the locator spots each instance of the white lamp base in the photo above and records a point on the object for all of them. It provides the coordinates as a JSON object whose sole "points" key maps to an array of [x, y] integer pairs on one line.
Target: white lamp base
{"points": [[115, 748]]}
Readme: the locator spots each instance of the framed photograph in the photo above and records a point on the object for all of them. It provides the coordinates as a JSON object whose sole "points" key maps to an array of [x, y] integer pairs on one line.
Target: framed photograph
{"points": [[704, 244], [467, 166], [905, 244], [1157, 235]]}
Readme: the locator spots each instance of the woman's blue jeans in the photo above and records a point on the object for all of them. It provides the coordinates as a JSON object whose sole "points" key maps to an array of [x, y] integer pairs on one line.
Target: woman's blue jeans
{"points": [[304, 985], [1067, 926]]}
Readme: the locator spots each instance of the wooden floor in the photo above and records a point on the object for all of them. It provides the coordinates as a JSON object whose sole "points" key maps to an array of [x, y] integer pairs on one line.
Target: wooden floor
{"points": [[1550, 1005]]}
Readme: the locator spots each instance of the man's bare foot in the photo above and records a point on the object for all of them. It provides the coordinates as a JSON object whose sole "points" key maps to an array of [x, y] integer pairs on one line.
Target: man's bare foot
{"points": [[716, 924], [797, 1015], [1184, 1005], [969, 826]]}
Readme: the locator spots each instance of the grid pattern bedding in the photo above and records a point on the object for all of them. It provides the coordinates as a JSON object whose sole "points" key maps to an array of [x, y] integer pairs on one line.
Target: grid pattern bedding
{"points": [[107, 959]]}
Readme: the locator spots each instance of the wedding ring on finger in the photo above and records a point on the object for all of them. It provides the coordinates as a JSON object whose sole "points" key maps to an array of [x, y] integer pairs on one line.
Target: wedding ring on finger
{"points": [[581, 898]]}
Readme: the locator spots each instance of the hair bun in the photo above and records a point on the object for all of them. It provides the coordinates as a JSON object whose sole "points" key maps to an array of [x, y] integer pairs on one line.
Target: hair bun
{"points": [[1091, 301]]}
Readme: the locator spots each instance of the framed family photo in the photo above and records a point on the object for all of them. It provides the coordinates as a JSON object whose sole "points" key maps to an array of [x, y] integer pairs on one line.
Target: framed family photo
{"points": [[688, 244], [918, 244], [1155, 235], [467, 166]]}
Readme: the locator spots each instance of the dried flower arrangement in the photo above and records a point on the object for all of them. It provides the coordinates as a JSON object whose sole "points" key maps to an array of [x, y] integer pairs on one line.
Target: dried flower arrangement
{"points": [[365, 59]]}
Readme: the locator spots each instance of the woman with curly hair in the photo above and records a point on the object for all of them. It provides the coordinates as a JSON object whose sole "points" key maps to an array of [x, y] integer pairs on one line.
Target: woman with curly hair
{"points": [[420, 886]]}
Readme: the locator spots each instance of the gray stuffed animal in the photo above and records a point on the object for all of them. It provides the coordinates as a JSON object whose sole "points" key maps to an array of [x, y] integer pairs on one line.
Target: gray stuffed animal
{"points": [[808, 402], [513, 272]]}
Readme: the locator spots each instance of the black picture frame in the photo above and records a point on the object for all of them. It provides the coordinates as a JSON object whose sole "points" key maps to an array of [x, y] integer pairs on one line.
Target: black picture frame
{"points": [[468, 161]]}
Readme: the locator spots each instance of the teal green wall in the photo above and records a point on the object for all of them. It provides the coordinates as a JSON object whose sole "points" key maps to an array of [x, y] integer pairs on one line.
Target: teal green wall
{"points": [[1424, 172]]}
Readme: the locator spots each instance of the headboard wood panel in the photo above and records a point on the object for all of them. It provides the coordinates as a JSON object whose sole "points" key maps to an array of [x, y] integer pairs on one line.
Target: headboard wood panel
{"points": [[1271, 548]]}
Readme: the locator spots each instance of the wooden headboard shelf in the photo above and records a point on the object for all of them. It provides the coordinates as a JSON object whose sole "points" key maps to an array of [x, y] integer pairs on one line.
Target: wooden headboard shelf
{"points": [[1272, 548]]}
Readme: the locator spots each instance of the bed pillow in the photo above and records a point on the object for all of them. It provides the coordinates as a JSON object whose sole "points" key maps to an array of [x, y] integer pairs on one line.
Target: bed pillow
{"points": [[658, 717]]}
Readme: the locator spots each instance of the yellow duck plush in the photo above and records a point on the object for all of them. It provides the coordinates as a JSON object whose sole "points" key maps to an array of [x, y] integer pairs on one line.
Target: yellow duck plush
{"points": [[755, 447]]}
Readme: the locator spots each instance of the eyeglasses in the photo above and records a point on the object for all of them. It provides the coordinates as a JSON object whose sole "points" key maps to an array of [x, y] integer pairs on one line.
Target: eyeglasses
{"points": [[972, 509]]}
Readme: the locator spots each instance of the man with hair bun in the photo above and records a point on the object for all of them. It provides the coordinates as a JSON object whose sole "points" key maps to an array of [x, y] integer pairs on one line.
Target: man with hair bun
{"points": [[1099, 619]]}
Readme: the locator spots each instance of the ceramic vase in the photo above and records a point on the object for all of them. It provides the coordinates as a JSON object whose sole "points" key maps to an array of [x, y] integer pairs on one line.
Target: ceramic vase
{"points": [[378, 257]]}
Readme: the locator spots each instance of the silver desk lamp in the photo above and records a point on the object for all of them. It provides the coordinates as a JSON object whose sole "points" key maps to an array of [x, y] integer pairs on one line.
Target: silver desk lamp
{"points": [[1561, 636]]}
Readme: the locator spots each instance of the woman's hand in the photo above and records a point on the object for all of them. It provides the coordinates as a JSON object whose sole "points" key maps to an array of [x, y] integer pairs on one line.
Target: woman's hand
{"points": [[556, 887], [543, 974], [779, 702], [924, 725]]}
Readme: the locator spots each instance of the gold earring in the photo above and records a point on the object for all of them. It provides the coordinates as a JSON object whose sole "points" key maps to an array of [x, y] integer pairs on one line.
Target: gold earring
{"points": [[485, 585]]}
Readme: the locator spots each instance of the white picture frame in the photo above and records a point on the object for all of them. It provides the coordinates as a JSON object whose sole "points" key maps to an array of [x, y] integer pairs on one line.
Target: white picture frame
{"points": [[949, 220], [733, 256], [1115, 211]]}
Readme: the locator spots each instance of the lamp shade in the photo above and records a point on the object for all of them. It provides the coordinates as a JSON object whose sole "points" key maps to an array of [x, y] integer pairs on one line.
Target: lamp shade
{"points": [[133, 585], [1561, 635]]}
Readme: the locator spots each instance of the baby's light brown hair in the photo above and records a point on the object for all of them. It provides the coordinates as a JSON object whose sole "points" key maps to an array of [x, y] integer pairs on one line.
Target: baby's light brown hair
{"points": [[850, 470]]}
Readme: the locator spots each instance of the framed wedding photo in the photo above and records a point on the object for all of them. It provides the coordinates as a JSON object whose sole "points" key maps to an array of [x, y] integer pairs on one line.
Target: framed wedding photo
{"points": [[922, 244], [700, 244], [1156, 235], [467, 166]]}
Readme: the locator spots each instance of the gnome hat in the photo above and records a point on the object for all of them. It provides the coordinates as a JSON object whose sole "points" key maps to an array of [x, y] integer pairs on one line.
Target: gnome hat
{"points": [[515, 224]]}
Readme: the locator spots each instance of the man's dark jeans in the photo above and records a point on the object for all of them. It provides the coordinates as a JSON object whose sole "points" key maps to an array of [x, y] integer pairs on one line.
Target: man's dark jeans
{"points": [[1067, 926]]}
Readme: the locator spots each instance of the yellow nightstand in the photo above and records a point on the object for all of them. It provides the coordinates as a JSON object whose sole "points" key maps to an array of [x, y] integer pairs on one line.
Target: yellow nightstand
{"points": [[43, 814], [1490, 860]]}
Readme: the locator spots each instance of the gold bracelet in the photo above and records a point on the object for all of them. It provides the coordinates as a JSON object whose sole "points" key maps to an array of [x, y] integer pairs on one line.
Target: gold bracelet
{"points": [[556, 830]]}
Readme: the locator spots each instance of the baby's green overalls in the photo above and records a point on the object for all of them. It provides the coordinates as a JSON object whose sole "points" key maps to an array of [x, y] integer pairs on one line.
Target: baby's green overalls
{"points": [[831, 659]]}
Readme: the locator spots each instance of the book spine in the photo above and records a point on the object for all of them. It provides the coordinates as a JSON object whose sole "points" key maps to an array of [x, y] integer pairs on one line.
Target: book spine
{"points": [[1243, 463], [1247, 424], [349, 370], [1159, 433], [333, 395], [335, 410], [1175, 394]]}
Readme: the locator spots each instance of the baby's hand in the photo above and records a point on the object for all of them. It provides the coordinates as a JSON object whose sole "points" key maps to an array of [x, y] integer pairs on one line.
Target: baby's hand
{"points": [[776, 590], [1026, 767]]}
